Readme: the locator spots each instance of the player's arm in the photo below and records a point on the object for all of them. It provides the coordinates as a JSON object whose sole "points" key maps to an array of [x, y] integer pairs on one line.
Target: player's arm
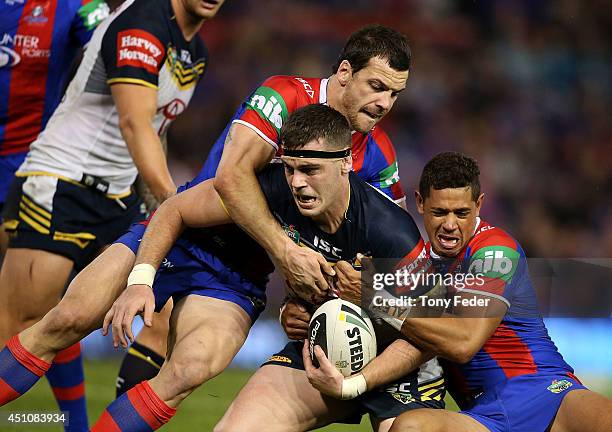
{"points": [[196, 207], [136, 107], [397, 360], [456, 335], [244, 154]]}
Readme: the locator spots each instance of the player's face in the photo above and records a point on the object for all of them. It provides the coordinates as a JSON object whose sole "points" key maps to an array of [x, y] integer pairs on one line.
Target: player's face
{"points": [[316, 185], [449, 216], [204, 9], [371, 92]]}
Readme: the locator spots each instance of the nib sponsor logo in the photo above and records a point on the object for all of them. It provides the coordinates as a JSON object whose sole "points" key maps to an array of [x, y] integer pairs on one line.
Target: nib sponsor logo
{"points": [[270, 105], [139, 48]]}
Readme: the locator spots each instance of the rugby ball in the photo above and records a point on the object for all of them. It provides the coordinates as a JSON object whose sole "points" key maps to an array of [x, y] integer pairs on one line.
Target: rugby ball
{"points": [[345, 333]]}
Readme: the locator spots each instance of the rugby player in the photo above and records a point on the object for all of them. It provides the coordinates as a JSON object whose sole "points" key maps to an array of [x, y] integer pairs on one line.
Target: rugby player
{"points": [[39, 42], [369, 74], [73, 194], [503, 369], [318, 200], [207, 330]]}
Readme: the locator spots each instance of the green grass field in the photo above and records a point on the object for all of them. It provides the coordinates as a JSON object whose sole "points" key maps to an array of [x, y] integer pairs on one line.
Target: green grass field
{"points": [[199, 412]]}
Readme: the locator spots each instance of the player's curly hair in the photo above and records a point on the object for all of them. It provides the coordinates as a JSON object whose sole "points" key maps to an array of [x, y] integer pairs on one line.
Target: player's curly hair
{"points": [[313, 122], [450, 170], [375, 40]]}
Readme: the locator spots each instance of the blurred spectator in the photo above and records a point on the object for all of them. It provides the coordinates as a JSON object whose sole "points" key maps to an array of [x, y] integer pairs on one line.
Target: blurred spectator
{"points": [[520, 85]]}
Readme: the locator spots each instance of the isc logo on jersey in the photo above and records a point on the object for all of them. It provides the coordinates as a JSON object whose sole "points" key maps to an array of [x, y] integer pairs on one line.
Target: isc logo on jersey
{"points": [[345, 333], [140, 49], [495, 262], [270, 105], [325, 246]]}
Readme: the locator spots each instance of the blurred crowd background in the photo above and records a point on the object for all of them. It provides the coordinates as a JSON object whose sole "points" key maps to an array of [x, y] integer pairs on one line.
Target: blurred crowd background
{"points": [[521, 85]]}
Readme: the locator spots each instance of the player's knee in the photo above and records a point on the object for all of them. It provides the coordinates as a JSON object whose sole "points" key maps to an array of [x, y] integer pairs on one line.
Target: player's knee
{"points": [[67, 318], [410, 421], [190, 372], [243, 423]]}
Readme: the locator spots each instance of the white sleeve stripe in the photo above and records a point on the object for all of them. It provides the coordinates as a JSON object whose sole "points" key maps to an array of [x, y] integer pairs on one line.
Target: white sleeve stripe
{"points": [[258, 132], [486, 294]]}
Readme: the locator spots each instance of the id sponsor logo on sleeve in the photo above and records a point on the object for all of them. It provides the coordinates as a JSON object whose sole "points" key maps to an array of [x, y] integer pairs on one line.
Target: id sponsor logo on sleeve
{"points": [[139, 48]]}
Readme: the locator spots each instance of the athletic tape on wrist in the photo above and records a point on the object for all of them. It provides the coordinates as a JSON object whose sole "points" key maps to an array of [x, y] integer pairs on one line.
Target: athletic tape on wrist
{"points": [[142, 274], [394, 321], [353, 387]]}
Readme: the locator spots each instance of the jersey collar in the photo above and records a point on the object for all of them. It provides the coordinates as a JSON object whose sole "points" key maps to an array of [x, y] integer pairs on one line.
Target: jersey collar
{"points": [[323, 91]]}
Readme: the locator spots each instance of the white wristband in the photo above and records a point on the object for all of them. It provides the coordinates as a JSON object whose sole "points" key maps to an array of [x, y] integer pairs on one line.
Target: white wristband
{"points": [[386, 306], [142, 274], [353, 387]]}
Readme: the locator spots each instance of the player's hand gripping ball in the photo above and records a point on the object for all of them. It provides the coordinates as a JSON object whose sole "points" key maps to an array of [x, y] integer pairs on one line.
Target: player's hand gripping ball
{"points": [[345, 333]]}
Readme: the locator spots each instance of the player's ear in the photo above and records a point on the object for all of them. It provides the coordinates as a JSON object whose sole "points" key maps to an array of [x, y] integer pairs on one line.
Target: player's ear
{"points": [[420, 202], [347, 165], [344, 73], [479, 201]]}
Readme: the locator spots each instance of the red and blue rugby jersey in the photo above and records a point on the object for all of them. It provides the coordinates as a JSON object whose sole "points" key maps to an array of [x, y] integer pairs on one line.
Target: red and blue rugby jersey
{"points": [[269, 106], [520, 345], [38, 43]]}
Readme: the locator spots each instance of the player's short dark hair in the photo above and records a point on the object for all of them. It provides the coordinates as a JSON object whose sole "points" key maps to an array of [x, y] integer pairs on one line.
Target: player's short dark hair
{"points": [[450, 170], [313, 122], [375, 40]]}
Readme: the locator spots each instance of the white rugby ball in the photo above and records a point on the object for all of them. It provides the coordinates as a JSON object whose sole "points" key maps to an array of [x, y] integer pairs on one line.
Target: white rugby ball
{"points": [[345, 333]]}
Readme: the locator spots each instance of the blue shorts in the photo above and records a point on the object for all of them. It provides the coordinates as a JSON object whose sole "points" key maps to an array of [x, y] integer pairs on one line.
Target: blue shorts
{"points": [[8, 166], [188, 269], [524, 403]]}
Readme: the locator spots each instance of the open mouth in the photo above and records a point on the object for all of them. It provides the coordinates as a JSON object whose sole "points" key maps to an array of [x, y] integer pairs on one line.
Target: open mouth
{"points": [[371, 115], [448, 241], [306, 201], [210, 3]]}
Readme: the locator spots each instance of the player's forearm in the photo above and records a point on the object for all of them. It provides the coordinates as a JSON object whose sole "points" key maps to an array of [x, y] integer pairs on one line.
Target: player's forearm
{"points": [[149, 157], [246, 204], [448, 336], [397, 360], [162, 232]]}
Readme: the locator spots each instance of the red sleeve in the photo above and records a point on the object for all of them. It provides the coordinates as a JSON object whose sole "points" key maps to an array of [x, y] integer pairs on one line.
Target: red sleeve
{"points": [[496, 259], [270, 105]]}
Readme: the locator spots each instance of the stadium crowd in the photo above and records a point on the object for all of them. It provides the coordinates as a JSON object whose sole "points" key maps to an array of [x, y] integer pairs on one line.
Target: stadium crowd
{"points": [[522, 85]]}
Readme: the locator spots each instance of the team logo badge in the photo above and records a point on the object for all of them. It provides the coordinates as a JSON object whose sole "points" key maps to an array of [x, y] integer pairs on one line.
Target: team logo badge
{"points": [[37, 16], [559, 386], [292, 233], [404, 398]]}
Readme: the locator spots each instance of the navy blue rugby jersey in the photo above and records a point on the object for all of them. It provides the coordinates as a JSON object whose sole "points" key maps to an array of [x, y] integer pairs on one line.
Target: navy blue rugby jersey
{"points": [[374, 226]]}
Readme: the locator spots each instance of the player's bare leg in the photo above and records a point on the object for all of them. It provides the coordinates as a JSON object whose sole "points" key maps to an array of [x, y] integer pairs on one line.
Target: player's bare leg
{"points": [[278, 398], [205, 335], [31, 283], [28, 356], [156, 336], [89, 296], [583, 410], [4, 241], [381, 425], [147, 354], [434, 420]]}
